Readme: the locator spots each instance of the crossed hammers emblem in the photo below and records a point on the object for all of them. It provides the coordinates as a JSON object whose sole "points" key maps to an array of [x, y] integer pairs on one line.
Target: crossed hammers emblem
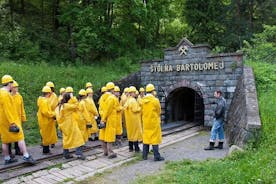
{"points": [[183, 50]]}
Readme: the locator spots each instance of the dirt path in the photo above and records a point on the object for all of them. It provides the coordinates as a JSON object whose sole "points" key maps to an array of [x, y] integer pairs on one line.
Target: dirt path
{"points": [[191, 148]]}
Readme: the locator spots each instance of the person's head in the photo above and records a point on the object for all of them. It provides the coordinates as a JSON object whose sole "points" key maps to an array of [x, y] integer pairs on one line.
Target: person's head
{"points": [[51, 85], [15, 86], [46, 91], [142, 91], [89, 92], [132, 91], [82, 94], [66, 98], [117, 91], [103, 90], [62, 91], [110, 87], [88, 85], [217, 94], [7, 81], [150, 88], [69, 90]]}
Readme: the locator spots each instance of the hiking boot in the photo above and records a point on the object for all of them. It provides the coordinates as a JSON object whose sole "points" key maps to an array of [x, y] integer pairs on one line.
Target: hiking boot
{"points": [[68, 156], [210, 147], [29, 160], [105, 154], [113, 155], [11, 160], [81, 157], [159, 159], [219, 146]]}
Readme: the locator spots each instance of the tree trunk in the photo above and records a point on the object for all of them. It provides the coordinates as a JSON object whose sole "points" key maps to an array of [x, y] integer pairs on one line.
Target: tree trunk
{"points": [[11, 12]]}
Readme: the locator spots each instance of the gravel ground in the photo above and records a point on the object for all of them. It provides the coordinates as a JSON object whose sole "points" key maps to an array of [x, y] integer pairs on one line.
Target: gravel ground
{"points": [[191, 148]]}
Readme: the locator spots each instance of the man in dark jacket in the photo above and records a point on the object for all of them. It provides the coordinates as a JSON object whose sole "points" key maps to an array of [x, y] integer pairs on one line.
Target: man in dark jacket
{"points": [[217, 128]]}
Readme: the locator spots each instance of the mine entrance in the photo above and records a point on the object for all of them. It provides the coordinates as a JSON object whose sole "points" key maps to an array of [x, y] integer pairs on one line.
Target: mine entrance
{"points": [[184, 105]]}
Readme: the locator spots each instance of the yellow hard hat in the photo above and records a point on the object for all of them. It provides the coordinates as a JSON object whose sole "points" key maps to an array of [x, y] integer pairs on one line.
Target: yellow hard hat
{"points": [[137, 92], [89, 90], [50, 84], [69, 89], [110, 85], [82, 92], [117, 89], [126, 90], [104, 89], [132, 89], [15, 84], [141, 89], [7, 79], [61, 90], [46, 89], [150, 88], [88, 84]]}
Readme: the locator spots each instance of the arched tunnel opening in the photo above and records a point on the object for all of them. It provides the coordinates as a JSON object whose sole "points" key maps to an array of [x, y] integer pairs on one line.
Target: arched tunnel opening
{"points": [[184, 105]]}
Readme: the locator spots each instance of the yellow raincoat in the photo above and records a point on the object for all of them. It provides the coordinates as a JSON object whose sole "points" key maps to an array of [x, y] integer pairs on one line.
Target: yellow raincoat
{"points": [[68, 123], [53, 100], [133, 120], [85, 119], [102, 103], [151, 111], [7, 117], [19, 105], [109, 116], [93, 112], [46, 122], [119, 126]]}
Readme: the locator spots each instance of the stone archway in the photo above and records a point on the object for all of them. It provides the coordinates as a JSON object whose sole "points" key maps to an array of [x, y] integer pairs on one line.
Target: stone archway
{"points": [[184, 105]]}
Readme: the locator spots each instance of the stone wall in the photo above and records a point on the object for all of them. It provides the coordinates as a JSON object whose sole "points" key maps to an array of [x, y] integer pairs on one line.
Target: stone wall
{"points": [[169, 73], [243, 121]]}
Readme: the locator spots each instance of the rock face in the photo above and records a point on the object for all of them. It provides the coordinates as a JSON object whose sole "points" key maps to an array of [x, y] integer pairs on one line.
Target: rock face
{"points": [[243, 120]]}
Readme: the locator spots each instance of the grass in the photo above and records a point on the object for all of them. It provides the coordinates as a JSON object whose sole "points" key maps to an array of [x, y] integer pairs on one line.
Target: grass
{"points": [[32, 77], [256, 165]]}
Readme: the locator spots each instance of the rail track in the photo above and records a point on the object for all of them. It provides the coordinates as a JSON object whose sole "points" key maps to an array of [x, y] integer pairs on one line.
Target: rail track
{"points": [[43, 162]]}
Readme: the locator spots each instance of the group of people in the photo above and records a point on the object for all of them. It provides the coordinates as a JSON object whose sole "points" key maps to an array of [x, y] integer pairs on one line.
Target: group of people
{"points": [[138, 112], [12, 115], [135, 113]]}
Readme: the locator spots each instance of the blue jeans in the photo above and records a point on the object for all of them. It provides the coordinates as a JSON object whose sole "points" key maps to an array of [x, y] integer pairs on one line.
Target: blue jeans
{"points": [[217, 129]]}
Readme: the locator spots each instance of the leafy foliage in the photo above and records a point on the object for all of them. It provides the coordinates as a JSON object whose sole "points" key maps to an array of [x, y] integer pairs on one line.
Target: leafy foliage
{"points": [[263, 46]]}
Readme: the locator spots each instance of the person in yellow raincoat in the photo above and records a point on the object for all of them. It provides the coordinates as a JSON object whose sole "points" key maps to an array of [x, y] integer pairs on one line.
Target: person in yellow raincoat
{"points": [[85, 119], [71, 134], [152, 135], [119, 109], [109, 119], [133, 120], [19, 105], [88, 85], [46, 120], [102, 100], [10, 124], [123, 100], [61, 93], [53, 99], [93, 112], [141, 95]]}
